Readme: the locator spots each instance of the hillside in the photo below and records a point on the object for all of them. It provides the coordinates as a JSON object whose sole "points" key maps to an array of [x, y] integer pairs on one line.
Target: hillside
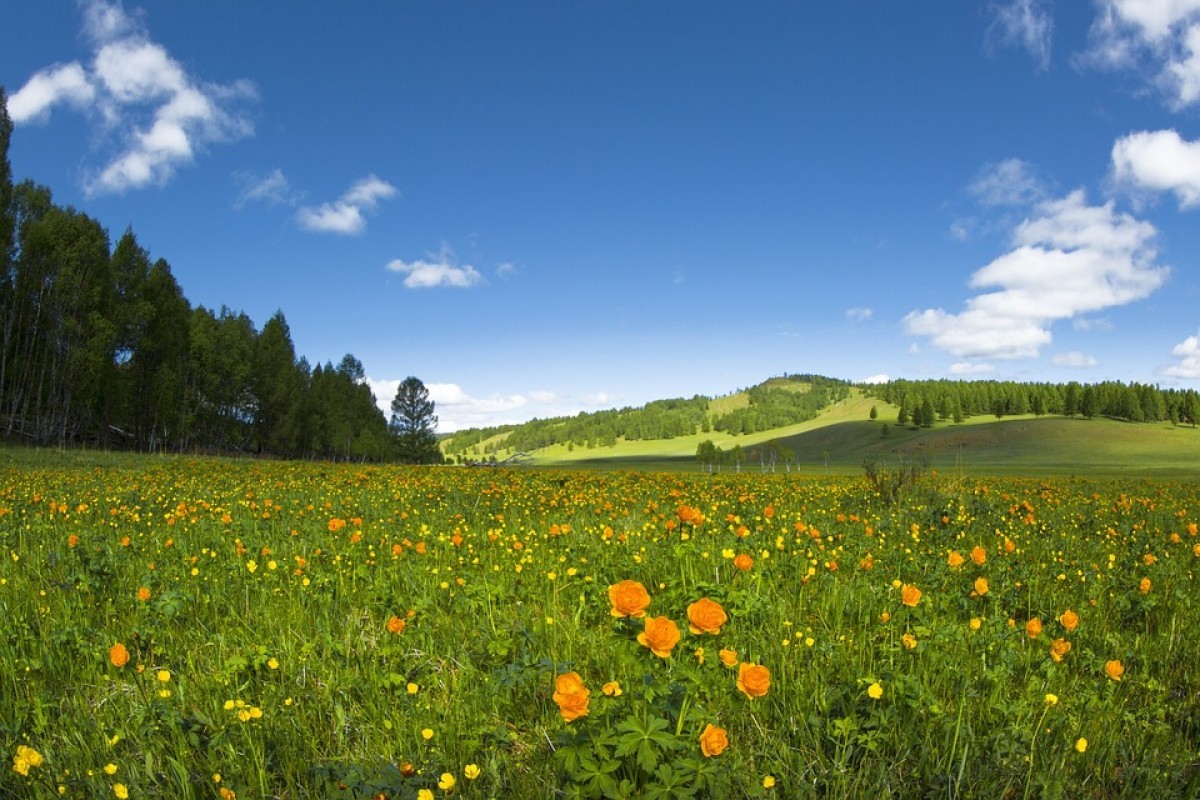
{"points": [[842, 436]]}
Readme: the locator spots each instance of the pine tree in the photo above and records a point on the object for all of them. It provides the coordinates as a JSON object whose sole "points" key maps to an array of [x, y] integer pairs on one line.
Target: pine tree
{"points": [[413, 423]]}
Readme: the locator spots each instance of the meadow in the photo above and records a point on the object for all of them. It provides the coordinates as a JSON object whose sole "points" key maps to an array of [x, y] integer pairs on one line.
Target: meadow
{"points": [[238, 629]]}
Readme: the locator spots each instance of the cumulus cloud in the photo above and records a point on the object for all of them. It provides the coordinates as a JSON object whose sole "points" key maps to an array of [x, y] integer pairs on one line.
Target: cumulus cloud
{"points": [[1158, 37], [880, 378], [1187, 365], [438, 270], [1073, 359], [1159, 161], [1028, 24], [859, 314], [347, 214], [158, 113], [1070, 258], [458, 410]]}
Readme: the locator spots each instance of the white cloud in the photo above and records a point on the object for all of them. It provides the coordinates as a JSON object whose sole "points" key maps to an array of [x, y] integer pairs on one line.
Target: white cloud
{"points": [[159, 114], [1188, 365], [1073, 359], [1024, 23], [971, 368], [1161, 37], [1159, 161], [859, 314], [880, 378], [422, 274], [458, 410], [1092, 324], [346, 214], [1070, 258]]}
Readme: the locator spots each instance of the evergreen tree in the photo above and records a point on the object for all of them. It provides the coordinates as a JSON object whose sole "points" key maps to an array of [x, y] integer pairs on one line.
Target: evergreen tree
{"points": [[276, 389], [413, 423]]}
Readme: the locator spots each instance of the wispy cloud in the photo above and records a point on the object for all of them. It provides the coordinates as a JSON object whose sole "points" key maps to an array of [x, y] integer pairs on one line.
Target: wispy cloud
{"points": [[347, 214], [1070, 258], [458, 410], [272, 189], [1160, 38], [1159, 161], [1073, 359], [1028, 24], [158, 113], [1011, 182], [859, 314], [971, 368]]}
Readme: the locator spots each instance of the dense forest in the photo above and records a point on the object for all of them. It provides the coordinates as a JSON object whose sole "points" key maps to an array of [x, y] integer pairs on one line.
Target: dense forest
{"points": [[924, 402], [99, 346]]}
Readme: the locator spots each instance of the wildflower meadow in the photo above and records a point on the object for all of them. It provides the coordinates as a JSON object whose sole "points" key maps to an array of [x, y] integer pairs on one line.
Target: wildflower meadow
{"points": [[192, 628]]}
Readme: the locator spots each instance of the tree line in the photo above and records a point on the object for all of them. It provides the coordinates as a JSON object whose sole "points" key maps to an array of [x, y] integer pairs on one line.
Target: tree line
{"points": [[100, 346], [921, 403]]}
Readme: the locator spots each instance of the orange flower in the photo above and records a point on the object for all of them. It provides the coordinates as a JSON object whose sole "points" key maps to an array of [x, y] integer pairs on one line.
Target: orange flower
{"points": [[753, 680], [395, 624], [955, 559], [713, 741], [978, 555], [1033, 628], [628, 598], [660, 636], [1114, 669], [571, 696], [1069, 620], [981, 586], [1144, 586], [1058, 649], [910, 595], [143, 594], [72, 540], [118, 655], [743, 562], [909, 641], [728, 657], [706, 616], [690, 515]]}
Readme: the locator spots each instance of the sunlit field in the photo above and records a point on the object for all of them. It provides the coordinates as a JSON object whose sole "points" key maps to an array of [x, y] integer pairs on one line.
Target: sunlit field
{"points": [[221, 629]]}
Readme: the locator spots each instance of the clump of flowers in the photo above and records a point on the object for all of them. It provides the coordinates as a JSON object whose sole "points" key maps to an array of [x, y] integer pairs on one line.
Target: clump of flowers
{"points": [[25, 759], [571, 696]]}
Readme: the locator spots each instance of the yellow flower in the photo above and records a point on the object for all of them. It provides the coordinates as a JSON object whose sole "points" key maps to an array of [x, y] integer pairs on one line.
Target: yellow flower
{"points": [[1081, 744], [1069, 620], [768, 782], [981, 586], [424, 794], [728, 657], [611, 689], [1114, 669], [30, 756], [1051, 699], [426, 734], [110, 769], [471, 771], [910, 595], [955, 559], [120, 791], [446, 782], [976, 623], [875, 691], [412, 688], [909, 641], [272, 663], [163, 675]]}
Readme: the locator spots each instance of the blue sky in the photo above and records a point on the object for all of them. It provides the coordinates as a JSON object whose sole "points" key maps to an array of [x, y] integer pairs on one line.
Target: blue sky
{"points": [[546, 207]]}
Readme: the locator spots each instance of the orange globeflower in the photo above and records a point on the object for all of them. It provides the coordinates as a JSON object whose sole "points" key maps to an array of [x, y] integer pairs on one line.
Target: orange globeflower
{"points": [[118, 655], [143, 594], [981, 586], [660, 635], [571, 696], [1114, 669], [1033, 628], [753, 680], [955, 559], [1058, 649], [728, 657], [978, 555], [713, 741], [1069, 620], [395, 624], [1144, 586], [910, 595], [743, 562], [706, 616], [628, 598]]}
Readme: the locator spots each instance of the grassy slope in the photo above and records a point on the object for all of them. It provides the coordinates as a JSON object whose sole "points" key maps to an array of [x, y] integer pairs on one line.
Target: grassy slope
{"points": [[843, 436]]}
